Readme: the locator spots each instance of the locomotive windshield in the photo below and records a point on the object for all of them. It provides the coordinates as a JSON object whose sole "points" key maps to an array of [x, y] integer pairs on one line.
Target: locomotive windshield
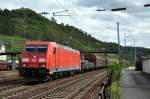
{"points": [[42, 49], [30, 49], [33, 49]]}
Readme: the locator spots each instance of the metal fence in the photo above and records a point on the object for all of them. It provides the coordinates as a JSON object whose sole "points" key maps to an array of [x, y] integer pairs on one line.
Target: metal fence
{"points": [[105, 92]]}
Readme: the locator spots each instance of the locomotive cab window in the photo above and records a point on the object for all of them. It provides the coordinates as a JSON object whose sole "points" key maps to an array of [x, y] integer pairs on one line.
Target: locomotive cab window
{"points": [[33, 49], [42, 49], [30, 49]]}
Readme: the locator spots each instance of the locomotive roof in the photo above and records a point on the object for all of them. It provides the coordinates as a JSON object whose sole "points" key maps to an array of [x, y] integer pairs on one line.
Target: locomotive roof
{"points": [[68, 48], [37, 43], [46, 43]]}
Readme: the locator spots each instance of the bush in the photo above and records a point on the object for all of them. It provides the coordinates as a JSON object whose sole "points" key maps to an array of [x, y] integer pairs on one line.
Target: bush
{"points": [[115, 71], [115, 91]]}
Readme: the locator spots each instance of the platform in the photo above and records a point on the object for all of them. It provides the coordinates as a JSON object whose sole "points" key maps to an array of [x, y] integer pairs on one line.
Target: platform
{"points": [[135, 85], [6, 75]]}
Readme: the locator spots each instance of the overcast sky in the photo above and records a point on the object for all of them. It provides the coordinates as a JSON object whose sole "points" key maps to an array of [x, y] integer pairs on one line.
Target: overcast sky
{"points": [[135, 21]]}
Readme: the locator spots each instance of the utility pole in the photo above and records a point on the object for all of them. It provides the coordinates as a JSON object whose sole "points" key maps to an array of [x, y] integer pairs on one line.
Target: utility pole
{"points": [[25, 26], [135, 52], [12, 44], [118, 35], [25, 32], [124, 44]]}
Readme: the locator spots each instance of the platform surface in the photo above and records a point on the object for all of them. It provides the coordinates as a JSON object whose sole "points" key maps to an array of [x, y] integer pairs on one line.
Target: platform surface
{"points": [[135, 85], [6, 75]]}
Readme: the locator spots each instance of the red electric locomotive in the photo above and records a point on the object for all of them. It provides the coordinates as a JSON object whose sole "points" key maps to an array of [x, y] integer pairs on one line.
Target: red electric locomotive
{"points": [[42, 60]]}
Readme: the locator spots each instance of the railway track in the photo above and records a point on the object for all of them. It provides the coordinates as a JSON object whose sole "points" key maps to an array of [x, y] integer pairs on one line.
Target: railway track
{"points": [[28, 91], [9, 82], [7, 87], [70, 89], [83, 91]]}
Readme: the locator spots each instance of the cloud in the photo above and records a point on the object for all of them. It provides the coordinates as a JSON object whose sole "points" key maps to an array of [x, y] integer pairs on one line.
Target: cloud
{"points": [[102, 25]]}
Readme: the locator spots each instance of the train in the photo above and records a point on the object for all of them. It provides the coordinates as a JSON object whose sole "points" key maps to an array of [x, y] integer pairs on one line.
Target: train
{"points": [[4, 65], [41, 61]]}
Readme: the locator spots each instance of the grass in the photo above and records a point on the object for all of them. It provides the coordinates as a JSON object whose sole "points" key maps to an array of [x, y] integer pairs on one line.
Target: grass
{"points": [[115, 91], [12, 43], [115, 70]]}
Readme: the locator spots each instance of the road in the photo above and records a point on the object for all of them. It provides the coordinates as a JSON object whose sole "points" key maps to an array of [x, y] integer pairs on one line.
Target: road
{"points": [[135, 85]]}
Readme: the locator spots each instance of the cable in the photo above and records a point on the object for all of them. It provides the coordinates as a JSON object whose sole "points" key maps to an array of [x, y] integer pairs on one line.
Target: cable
{"points": [[74, 20], [67, 13], [60, 5]]}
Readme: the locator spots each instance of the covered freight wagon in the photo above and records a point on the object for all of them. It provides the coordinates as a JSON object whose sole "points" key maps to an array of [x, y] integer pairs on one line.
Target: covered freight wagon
{"points": [[97, 60]]}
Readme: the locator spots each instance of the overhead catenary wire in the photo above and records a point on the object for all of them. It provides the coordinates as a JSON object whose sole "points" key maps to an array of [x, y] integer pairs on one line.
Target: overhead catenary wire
{"points": [[118, 18], [60, 5], [66, 11]]}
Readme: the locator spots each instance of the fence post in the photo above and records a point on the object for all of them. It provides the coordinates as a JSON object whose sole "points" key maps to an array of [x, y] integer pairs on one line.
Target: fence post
{"points": [[105, 92]]}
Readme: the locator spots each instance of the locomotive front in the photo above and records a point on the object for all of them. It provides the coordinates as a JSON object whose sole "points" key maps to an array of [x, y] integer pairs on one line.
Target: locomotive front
{"points": [[33, 61]]}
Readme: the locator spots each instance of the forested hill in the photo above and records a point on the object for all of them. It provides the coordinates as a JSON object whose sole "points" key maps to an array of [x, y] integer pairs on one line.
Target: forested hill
{"points": [[18, 23]]}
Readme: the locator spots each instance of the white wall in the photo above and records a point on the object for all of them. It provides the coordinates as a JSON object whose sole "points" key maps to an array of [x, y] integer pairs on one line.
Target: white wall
{"points": [[2, 50], [146, 66]]}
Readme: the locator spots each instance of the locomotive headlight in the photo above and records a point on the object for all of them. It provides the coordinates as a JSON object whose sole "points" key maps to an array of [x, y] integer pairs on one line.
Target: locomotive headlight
{"points": [[24, 65], [43, 65], [42, 60], [25, 59]]}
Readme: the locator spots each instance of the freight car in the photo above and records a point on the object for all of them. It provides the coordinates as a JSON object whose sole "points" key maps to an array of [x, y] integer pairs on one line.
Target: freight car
{"points": [[43, 60], [86, 65], [98, 60], [4, 65]]}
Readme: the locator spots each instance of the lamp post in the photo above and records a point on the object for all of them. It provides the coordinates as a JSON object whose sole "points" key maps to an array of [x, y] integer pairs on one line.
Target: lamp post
{"points": [[118, 9], [100, 10], [44, 13], [118, 34], [134, 52], [146, 5], [125, 35], [25, 32], [57, 13], [12, 44]]}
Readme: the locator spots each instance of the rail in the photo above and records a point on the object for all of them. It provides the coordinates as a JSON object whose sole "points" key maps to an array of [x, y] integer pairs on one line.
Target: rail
{"points": [[69, 89]]}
